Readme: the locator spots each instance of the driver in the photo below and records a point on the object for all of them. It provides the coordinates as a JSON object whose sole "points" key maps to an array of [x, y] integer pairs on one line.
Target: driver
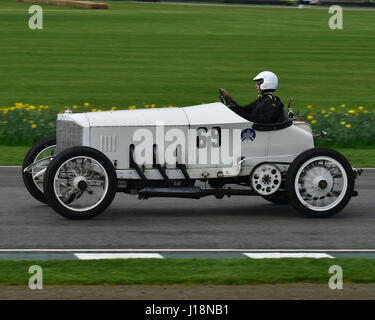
{"points": [[267, 108]]}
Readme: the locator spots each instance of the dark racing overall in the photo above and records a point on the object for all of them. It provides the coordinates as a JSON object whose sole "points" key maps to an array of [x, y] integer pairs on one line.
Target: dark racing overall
{"points": [[266, 109]]}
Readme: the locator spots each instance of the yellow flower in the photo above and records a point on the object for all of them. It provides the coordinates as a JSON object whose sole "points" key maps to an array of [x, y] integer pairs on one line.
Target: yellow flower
{"points": [[75, 107], [152, 106], [324, 111], [351, 111], [170, 106], [360, 108], [113, 108], [343, 106], [326, 116], [313, 121], [32, 107], [33, 126], [146, 106], [51, 124], [93, 110], [132, 107], [332, 109], [24, 120], [309, 106], [342, 123], [348, 126], [31, 121], [365, 111], [86, 104], [309, 117]]}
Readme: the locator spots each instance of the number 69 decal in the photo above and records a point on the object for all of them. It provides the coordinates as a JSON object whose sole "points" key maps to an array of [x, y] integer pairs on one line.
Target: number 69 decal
{"points": [[214, 135]]}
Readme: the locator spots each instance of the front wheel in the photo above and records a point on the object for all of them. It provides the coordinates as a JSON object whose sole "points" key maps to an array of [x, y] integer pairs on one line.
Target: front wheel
{"points": [[80, 183], [320, 182]]}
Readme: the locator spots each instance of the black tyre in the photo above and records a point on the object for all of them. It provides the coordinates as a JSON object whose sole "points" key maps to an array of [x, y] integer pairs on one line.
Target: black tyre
{"points": [[280, 197], [320, 182], [43, 148], [80, 183]]}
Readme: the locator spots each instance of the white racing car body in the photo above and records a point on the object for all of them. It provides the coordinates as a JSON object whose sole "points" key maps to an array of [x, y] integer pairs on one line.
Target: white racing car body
{"points": [[165, 152], [113, 132]]}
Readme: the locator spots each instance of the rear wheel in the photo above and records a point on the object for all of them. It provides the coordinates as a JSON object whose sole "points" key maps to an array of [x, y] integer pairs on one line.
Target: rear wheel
{"points": [[33, 179], [320, 182], [80, 183]]}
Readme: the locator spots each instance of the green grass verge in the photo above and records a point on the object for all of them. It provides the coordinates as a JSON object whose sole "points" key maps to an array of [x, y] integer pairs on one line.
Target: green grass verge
{"points": [[171, 54], [365, 158], [361, 158], [187, 271], [12, 155]]}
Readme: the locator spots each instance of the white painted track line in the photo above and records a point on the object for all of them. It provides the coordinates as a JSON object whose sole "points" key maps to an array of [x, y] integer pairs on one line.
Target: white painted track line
{"points": [[278, 255], [98, 256], [186, 250]]}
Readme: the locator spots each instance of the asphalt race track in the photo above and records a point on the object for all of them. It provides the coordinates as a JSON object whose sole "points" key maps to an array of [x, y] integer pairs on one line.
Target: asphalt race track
{"points": [[162, 223]]}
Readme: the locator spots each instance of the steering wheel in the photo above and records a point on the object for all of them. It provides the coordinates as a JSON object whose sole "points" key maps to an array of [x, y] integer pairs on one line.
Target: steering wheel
{"points": [[226, 98]]}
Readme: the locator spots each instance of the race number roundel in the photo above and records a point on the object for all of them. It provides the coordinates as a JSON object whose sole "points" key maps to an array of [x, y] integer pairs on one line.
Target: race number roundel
{"points": [[248, 135]]}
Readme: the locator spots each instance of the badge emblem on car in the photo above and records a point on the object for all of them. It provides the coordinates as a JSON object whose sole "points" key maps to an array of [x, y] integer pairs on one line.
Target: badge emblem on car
{"points": [[248, 135]]}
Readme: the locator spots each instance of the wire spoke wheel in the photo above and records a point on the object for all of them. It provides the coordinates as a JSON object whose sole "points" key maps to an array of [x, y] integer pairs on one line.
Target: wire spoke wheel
{"points": [[38, 172], [320, 182], [80, 183], [39, 154]]}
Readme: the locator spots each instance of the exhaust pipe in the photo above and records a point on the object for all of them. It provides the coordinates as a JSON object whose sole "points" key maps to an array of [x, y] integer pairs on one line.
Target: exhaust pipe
{"points": [[171, 192], [191, 192]]}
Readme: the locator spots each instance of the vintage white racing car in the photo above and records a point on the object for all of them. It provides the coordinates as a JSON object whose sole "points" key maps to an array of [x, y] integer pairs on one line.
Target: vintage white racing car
{"points": [[189, 152]]}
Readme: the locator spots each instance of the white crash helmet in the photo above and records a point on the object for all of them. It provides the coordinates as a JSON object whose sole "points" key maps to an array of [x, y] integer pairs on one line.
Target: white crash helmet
{"points": [[270, 80]]}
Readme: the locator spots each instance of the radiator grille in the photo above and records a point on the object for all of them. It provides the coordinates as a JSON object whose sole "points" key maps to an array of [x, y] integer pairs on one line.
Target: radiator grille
{"points": [[68, 134]]}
